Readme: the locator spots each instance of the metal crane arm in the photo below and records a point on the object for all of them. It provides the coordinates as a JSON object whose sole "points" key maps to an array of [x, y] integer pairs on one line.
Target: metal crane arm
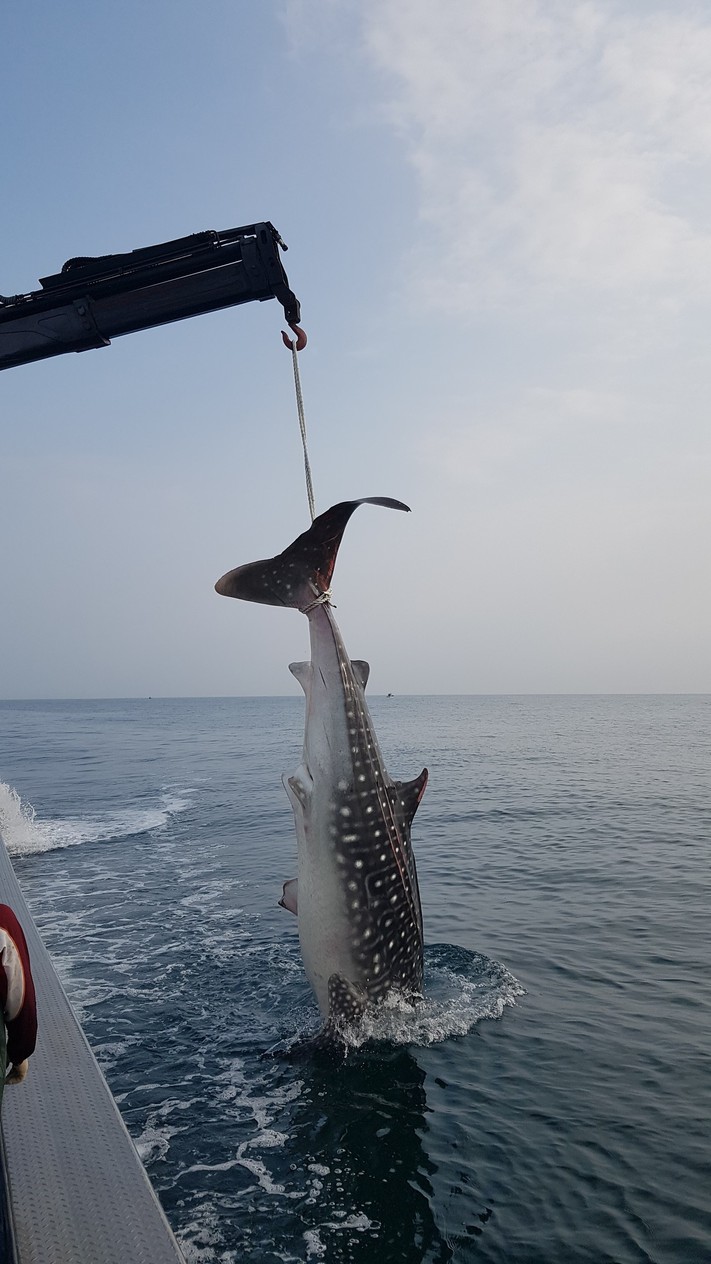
{"points": [[93, 300]]}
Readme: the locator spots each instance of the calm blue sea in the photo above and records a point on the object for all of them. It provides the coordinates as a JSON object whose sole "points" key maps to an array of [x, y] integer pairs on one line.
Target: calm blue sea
{"points": [[550, 1103]]}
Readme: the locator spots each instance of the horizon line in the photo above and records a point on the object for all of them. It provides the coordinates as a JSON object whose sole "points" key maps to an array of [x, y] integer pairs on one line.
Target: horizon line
{"points": [[528, 693]]}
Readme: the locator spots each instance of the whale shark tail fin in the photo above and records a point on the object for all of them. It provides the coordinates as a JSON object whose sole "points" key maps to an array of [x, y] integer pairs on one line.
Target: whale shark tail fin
{"points": [[302, 573]]}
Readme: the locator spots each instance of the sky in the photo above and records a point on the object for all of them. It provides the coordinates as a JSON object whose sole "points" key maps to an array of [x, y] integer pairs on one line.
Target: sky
{"points": [[499, 229]]}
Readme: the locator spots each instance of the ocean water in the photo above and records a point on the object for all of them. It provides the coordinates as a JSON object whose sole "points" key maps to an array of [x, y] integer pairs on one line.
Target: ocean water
{"points": [[549, 1103]]}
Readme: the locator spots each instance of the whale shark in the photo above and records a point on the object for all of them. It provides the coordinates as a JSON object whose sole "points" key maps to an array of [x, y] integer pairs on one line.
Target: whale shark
{"points": [[356, 894]]}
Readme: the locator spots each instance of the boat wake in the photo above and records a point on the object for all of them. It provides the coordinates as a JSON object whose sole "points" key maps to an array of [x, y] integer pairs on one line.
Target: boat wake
{"points": [[26, 834]]}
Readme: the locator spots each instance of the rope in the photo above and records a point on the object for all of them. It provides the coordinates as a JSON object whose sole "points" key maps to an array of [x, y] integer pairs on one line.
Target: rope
{"points": [[302, 427], [323, 599]]}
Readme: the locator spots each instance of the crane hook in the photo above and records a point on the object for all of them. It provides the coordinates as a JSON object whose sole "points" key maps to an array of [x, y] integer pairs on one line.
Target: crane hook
{"points": [[301, 338]]}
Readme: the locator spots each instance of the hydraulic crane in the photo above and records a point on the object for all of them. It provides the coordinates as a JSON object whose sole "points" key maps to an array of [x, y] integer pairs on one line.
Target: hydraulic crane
{"points": [[92, 300]]}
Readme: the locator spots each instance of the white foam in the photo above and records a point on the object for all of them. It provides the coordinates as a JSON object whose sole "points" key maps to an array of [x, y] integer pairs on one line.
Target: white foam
{"points": [[26, 834], [176, 799], [356, 1222], [263, 1108], [452, 1005], [17, 821], [201, 1238], [315, 1249], [154, 1141], [263, 1141]]}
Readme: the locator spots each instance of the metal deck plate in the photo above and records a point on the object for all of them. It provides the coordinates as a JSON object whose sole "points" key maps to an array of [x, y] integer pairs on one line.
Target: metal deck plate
{"points": [[78, 1191]]}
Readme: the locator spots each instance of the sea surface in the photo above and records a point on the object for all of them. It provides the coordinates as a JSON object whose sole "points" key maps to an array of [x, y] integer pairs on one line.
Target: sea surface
{"points": [[548, 1103]]}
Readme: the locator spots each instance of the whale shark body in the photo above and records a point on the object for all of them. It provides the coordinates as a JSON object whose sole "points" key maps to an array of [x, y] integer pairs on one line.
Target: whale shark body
{"points": [[356, 895]]}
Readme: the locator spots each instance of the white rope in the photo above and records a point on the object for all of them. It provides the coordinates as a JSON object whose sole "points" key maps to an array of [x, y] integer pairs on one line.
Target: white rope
{"points": [[302, 427], [323, 599]]}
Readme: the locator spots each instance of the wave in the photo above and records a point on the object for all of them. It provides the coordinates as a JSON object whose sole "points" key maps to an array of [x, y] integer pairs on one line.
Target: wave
{"points": [[460, 989], [26, 834]]}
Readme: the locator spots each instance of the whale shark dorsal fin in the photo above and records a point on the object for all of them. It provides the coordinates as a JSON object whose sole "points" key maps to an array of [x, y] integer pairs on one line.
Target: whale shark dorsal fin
{"points": [[361, 671], [303, 672], [410, 793]]}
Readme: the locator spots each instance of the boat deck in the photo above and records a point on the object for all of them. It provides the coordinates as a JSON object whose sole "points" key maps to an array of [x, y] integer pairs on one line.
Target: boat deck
{"points": [[76, 1189]]}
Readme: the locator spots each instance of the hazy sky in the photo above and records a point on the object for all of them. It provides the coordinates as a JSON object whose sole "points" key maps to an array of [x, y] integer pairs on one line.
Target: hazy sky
{"points": [[499, 224]]}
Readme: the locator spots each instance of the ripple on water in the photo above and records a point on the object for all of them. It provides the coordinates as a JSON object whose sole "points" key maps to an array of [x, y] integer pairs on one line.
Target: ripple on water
{"points": [[565, 837]]}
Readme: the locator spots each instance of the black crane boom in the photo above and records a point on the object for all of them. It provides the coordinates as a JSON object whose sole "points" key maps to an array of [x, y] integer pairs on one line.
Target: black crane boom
{"points": [[93, 300]]}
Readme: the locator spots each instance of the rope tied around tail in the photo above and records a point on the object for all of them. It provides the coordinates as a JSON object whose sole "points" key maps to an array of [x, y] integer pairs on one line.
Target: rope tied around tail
{"points": [[323, 599]]}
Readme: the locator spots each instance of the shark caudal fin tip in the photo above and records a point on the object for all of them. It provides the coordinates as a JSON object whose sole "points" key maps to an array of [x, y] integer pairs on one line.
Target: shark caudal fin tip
{"points": [[386, 501], [225, 585]]}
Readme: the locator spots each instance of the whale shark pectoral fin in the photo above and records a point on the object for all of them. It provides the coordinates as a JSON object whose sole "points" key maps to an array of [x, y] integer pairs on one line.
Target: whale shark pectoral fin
{"points": [[346, 1007], [410, 794], [298, 788], [346, 1002], [290, 896], [303, 673], [361, 671]]}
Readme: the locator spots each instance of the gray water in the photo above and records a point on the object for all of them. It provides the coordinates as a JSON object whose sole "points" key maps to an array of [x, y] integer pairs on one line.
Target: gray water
{"points": [[550, 1102]]}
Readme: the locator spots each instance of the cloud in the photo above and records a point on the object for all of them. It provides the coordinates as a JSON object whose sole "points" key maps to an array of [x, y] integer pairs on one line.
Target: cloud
{"points": [[557, 146], [525, 430], [558, 435]]}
